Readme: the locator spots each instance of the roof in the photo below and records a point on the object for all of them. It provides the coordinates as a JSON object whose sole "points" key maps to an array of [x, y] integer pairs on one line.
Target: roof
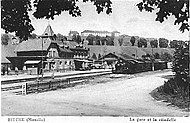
{"points": [[48, 31], [91, 31], [124, 56], [32, 62], [34, 45], [65, 50], [71, 44], [83, 60], [117, 55], [4, 60], [115, 32], [8, 50]]}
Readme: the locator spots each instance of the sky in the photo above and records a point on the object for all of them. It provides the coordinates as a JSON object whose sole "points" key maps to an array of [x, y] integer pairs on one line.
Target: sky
{"points": [[125, 18]]}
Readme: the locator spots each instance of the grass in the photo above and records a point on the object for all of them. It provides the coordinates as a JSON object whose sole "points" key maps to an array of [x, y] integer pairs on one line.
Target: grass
{"points": [[183, 102]]}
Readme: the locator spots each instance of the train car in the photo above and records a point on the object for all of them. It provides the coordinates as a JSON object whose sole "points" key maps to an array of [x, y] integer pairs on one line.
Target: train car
{"points": [[124, 67], [160, 65], [137, 66]]}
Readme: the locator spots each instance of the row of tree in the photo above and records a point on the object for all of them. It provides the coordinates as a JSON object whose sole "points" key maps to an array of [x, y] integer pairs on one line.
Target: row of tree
{"points": [[154, 43], [98, 40]]}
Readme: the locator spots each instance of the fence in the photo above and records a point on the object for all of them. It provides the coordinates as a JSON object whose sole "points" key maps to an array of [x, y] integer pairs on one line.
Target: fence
{"points": [[41, 86]]}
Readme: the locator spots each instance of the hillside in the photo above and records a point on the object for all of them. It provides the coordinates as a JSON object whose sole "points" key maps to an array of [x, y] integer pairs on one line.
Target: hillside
{"points": [[130, 50], [158, 50]]}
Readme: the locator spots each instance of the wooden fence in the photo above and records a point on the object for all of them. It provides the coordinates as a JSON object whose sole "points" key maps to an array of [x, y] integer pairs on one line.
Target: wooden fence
{"points": [[53, 84]]}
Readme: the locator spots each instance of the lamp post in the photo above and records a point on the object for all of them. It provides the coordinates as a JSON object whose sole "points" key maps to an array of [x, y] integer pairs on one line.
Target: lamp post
{"points": [[42, 55]]}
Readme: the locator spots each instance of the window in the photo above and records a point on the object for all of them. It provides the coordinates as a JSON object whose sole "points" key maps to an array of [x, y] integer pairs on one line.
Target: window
{"points": [[53, 54], [49, 54]]}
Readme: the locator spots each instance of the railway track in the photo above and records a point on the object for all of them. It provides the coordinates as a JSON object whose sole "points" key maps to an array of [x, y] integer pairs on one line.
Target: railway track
{"points": [[11, 88], [72, 81], [48, 77]]}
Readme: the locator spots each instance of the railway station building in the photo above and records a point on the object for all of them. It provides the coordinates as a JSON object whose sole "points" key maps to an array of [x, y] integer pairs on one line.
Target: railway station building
{"points": [[47, 52]]}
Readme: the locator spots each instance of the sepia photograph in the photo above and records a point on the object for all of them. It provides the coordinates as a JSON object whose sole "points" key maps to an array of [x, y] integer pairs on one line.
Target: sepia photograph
{"points": [[95, 58]]}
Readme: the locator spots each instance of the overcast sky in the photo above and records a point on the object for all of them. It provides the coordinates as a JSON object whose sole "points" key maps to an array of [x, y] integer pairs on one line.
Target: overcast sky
{"points": [[125, 18]]}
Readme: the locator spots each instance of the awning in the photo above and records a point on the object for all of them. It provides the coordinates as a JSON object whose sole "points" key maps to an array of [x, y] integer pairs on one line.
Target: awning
{"points": [[110, 59], [83, 60], [32, 62]]}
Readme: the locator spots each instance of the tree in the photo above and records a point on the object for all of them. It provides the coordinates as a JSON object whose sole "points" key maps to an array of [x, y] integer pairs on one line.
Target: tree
{"points": [[94, 56], [175, 43], [154, 43], [103, 40], [181, 64], [4, 39], [110, 40], [157, 56], [163, 43], [97, 40], [166, 57], [15, 13], [90, 39], [60, 37], [132, 40], [178, 8], [33, 36], [15, 18], [120, 41], [76, 38], [142, 42]]}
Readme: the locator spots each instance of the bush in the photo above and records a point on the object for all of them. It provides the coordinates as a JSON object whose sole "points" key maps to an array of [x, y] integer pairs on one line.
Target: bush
{"points": [[178, 86]]}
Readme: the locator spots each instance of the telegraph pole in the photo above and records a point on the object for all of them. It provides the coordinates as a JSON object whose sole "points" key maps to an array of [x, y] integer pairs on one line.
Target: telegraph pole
{"points": [[152, 60]]}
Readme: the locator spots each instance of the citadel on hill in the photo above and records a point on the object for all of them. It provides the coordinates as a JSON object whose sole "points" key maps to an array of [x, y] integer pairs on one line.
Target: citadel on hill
{"points": [[76, 51]]}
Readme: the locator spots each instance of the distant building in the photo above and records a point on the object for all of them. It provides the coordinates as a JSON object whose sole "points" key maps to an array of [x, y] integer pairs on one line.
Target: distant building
{"points": [[71, 33], [115, 33], [99, 33], [48, 31]]}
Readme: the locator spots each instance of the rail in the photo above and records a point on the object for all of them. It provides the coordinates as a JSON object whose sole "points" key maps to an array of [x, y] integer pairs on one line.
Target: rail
{"points": [[53, 84]]}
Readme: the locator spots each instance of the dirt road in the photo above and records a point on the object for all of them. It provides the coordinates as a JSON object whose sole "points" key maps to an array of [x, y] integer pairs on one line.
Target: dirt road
{"points": [[118, 97]]}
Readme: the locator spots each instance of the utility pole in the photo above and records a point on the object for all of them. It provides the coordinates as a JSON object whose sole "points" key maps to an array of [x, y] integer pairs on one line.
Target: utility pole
{"points": [[42, 60], [189, 76], [152, 60]]}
